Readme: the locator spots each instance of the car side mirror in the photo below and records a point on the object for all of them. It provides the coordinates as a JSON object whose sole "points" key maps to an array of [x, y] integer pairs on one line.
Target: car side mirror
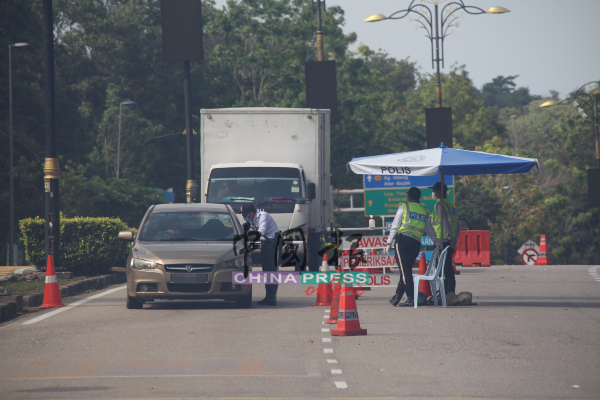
{"points": [[126, 236], [311, 191]]}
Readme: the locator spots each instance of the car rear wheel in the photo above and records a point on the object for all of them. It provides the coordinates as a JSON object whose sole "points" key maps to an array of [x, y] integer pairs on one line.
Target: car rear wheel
{"points": [[244, 301], [133, 303]]}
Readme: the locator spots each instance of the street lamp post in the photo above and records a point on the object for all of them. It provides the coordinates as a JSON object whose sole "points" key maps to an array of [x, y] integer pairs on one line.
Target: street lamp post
{"points": [[590, 100], [125, 103], [430, 21], [11, 229]]}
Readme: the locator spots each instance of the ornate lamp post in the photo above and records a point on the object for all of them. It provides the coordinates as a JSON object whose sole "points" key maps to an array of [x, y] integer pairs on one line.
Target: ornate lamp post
{"points": [[590, 101], [430, 21], [11, 229]]}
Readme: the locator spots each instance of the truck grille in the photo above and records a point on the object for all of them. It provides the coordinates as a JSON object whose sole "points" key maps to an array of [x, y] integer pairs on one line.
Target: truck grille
{"points": [[188, 287]]}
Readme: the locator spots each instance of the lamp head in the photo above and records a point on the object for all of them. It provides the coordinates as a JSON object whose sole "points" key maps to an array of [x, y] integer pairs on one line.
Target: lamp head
{"points": [[549, 103], [128, 103], [375, 18], [497, 10], [20, 45]]}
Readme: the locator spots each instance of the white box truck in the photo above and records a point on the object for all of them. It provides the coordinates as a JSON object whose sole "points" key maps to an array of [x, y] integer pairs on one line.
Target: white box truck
{"points": [[275, 158]]}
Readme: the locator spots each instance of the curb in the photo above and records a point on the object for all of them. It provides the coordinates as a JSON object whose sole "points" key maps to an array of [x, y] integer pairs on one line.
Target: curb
{"points": [[10, 309]]}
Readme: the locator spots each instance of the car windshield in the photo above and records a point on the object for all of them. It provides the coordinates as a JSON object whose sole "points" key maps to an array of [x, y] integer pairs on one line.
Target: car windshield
{"points": [[254, 185], [188, 226]]}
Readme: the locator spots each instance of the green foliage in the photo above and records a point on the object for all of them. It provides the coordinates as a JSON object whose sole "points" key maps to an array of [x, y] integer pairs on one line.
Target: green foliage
{"points": [[89, 246], [502, 92]]}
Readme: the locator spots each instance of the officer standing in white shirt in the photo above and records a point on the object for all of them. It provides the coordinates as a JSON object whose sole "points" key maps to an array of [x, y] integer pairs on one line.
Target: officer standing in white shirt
{"points": [[410, 224], [269, 233]]}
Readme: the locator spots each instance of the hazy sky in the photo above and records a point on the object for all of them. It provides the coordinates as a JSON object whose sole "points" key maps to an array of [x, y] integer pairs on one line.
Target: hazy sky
{"points": [[550, 44]]}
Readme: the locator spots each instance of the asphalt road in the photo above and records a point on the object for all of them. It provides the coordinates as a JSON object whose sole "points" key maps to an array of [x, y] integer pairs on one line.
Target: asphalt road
{"points": [[534, 334]]}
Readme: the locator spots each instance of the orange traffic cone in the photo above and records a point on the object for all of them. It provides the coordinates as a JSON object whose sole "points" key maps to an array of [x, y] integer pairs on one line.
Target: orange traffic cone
{"points": [[424, 286], [543, 258], [51, 291], [348, 323], [335, 304], [323, 291]]}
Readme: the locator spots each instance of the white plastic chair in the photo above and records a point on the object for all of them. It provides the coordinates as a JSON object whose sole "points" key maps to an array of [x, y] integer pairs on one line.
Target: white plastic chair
{"points": [[433, 275]]}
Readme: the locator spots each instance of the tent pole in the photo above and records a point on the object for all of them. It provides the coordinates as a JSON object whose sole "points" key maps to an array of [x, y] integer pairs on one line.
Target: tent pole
{"points": [[443, 212]]}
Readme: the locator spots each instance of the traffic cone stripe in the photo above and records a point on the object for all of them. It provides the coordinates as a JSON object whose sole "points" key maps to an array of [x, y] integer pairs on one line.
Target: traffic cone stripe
{"points": [[51, 279]]}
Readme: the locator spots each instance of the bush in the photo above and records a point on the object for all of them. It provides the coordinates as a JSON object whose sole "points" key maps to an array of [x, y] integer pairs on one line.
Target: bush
{"points": [[89, 246]]}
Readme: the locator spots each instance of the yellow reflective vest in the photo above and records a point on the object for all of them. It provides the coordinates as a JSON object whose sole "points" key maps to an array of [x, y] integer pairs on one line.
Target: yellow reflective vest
{"points": [[414, 219], [436, 220]]}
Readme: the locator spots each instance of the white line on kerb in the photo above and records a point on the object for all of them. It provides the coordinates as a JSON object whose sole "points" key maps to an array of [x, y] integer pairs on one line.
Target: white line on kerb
{"points": [[70, 306], [341, 385]]}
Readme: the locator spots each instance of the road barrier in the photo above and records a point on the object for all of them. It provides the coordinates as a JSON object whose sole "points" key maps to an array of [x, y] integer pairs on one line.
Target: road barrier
{"points": [[51, 291], [473, 249], [543, 258], [348, 323]]}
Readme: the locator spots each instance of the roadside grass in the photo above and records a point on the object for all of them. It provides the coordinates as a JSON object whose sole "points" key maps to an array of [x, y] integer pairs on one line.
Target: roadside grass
{"points": [[25, 288]]}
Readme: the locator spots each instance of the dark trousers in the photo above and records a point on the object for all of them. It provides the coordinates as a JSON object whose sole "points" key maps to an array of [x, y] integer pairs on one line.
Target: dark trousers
{"points": [[268, 261], [407, 250], [449, 277]]}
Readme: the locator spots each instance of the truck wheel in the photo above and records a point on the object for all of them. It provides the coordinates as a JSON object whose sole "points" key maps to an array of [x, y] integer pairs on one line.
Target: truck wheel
{"points": [[244, 301], [133, 303], [313, 251]]}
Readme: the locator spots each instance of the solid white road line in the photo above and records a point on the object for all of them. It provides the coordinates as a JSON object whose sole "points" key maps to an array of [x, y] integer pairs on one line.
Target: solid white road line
{"points": [[72, 305], [341, 385]]}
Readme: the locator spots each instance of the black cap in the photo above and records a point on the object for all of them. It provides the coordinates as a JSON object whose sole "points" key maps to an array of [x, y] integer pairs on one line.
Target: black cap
{"points": [[438, 186], [247, 208], [414, 193]]}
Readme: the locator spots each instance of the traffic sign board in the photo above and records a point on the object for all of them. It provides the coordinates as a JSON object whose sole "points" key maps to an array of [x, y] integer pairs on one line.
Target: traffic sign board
{"points": [[385, 202], [528, 245], [384, 193], [529, 256]]}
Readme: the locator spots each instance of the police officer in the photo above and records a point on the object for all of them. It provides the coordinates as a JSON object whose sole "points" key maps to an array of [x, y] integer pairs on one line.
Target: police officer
{"points": [[410, 223], [269, 233], [451, 232]]}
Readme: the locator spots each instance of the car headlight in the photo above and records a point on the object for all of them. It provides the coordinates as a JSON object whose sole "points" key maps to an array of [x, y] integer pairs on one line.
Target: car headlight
{"points": [[235, 263], [137, 263]]}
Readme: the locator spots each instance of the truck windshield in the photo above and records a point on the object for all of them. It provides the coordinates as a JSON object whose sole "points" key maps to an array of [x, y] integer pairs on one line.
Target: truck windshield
{"points": [[254, 185], [188, 226]]}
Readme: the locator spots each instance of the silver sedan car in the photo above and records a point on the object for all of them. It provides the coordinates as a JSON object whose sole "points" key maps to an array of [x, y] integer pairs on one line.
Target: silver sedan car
{"points": [[186, 251]]}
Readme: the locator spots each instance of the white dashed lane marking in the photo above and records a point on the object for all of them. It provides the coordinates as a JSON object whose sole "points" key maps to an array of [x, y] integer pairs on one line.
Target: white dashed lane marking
{"points": [[336, 371], [332, 361], [593, 273], [328, 351], [325, 330], [328, 339], [341, 385]]}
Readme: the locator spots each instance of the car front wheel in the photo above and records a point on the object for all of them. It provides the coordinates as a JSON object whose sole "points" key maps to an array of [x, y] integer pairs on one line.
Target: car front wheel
{"points": [[133, 303], [244, 301]]}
